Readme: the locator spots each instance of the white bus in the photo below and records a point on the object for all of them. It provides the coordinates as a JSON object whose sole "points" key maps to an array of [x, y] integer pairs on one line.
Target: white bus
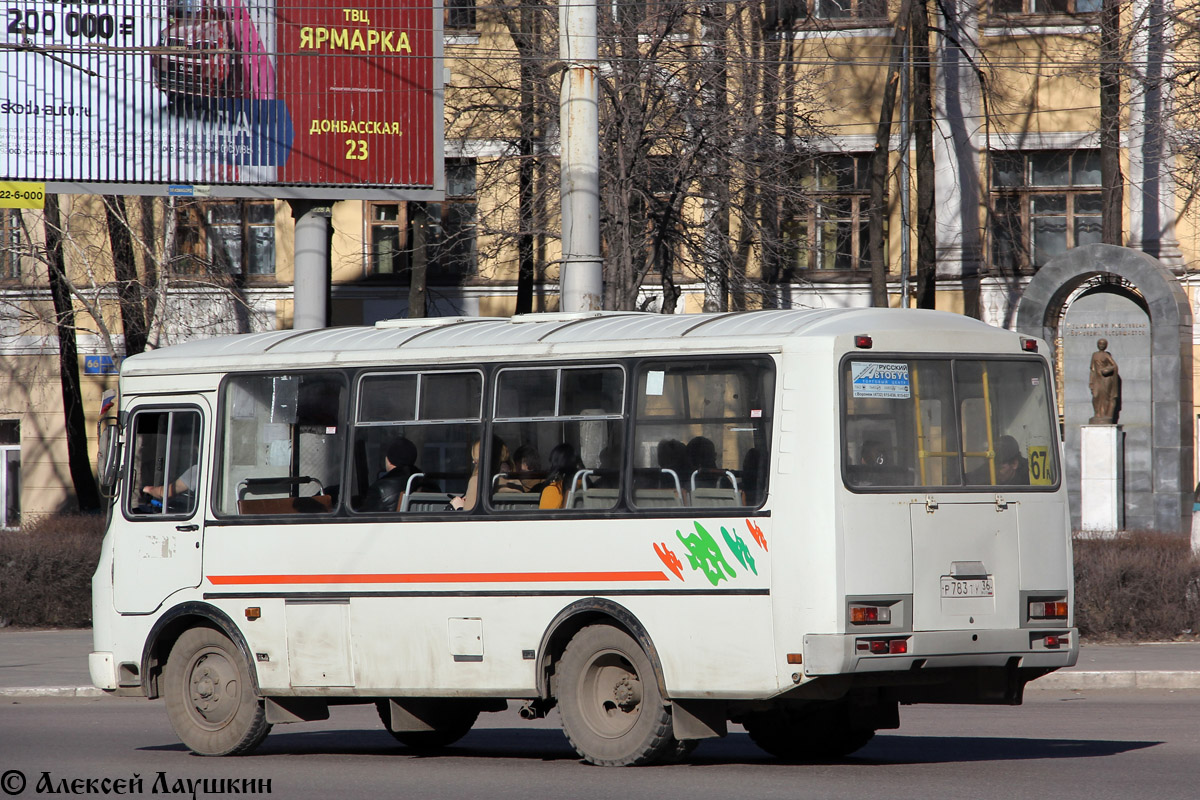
{"points": [[796, 521]]}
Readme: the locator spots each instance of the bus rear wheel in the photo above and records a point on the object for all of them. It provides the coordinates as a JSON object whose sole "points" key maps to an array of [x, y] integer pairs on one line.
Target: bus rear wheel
{"points": [[210, 696], [452, 721], [612, 710], [823, 735]]}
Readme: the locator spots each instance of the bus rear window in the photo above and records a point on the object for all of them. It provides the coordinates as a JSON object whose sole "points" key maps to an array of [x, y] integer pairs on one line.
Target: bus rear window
{"points": [[947, 423]]}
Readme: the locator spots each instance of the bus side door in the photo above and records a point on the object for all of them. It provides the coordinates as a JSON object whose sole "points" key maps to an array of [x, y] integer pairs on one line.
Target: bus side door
{"points": [[157, 545]]}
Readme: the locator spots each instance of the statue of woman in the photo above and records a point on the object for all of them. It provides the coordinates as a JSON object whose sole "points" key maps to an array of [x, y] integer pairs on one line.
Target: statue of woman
{"points": [[1105, 383]]}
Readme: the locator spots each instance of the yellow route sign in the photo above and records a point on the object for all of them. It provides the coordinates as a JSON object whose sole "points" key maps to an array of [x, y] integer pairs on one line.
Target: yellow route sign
{"points": [[22, 194], [1040, 473]]}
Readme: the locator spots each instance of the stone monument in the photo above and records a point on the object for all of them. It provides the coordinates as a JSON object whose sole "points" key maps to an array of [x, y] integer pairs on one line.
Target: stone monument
{"points": [[1136, 304], [1104, 382], [1102, 457]]}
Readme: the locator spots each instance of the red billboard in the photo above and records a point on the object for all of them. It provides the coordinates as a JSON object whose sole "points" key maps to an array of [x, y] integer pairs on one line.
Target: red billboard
{"points": [[225, 97]]}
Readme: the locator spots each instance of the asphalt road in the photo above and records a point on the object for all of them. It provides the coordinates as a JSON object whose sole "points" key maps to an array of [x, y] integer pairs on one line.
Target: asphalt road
{"points": [[1094, 745]]}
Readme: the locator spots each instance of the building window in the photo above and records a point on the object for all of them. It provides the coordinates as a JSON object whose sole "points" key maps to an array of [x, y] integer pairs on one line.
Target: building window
{"points": [[389, 237], [801, 13], [1044, 203], [11, 247], [235, 237], [1045, 8], [10, 473], [460, 15], [454, 246], [829, 232]]}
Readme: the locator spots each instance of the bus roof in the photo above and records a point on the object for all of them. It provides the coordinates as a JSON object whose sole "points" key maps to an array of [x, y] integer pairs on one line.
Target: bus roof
{"points": [[479, 337]]}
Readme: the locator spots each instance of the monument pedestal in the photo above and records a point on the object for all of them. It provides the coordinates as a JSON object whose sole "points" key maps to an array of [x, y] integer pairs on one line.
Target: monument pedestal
{"points": [[1102, 498]]}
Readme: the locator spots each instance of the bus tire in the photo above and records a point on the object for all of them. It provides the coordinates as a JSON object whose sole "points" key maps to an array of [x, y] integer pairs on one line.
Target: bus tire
{"points": [[612, 710], [821, 736], [453, 723], [210, 696]]}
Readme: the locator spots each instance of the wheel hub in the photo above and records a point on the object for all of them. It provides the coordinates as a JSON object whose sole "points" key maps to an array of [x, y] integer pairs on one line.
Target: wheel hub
{"points": [[213, 688], [628, 693]]}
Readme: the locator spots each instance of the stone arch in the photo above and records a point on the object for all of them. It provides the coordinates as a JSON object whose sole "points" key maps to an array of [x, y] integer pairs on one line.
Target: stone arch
{"points": [[1040, 313]]}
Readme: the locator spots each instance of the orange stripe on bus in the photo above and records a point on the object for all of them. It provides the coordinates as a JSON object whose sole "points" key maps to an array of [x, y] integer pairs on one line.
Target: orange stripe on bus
{"points": [[442, 577]]}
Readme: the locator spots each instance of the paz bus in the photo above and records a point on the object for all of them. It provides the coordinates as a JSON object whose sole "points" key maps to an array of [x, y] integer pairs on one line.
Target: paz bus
{"points": [[794, 521]]}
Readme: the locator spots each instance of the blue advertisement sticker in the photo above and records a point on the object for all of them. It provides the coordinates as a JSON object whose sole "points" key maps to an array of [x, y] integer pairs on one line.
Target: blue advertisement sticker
{"points": [[880, 379]]}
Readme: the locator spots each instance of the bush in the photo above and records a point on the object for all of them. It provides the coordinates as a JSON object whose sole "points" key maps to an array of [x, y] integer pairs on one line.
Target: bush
{"points": [[1139, 586], [46, 570]]}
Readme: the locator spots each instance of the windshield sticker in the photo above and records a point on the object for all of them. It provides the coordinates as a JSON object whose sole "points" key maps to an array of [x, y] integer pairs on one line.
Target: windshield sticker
{"points": [[875, 379]]}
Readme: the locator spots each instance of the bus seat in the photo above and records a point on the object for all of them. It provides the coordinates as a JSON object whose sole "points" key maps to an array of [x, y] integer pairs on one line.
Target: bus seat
{"points": [[596, 498], [657, 498], [425, 501], [315, 504], [516, 501], [716, 497]]}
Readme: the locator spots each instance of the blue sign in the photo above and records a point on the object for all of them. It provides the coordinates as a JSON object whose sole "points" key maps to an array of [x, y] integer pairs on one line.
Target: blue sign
{"points": [[100, 365], [253, 132]]}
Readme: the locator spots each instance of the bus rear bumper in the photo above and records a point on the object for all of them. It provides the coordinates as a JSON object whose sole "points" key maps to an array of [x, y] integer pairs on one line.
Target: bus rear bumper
{"points": [[916, 651]]}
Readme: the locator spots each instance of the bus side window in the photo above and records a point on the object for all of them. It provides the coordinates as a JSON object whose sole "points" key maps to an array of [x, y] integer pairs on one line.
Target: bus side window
{"points": [[283, 444], [701, 432], [558, 439], [413, 438], [164, 463]]}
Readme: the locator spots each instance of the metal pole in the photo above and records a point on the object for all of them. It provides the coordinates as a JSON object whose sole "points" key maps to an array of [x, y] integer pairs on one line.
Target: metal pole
{"points": [[581, 280], [311, 283], [905, 183]]}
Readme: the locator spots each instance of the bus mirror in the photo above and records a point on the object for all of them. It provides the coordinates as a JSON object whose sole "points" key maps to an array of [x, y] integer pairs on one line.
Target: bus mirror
{"points": [[109, 456]]}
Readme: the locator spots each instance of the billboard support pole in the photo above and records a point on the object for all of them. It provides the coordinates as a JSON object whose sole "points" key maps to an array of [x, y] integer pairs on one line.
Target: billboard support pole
{"points": [[310, 308], [581, 277]]}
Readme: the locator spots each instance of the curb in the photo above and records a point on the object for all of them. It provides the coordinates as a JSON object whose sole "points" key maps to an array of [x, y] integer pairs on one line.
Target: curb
{"points": [[1080, 680], [25, 692]]}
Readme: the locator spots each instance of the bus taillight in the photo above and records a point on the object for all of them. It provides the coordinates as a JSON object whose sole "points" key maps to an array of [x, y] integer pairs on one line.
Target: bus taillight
{"points": [[882, 647], [1048, 610], [870, 615]]}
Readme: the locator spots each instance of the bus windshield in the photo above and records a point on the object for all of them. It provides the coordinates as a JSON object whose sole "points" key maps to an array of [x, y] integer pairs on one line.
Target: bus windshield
{"points": [[952, 423]]}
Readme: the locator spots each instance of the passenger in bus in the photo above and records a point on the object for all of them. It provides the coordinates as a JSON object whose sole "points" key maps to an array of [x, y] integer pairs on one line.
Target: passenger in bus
{"points": [[673, 456], [501, 463], [563, 466], [702, 458], [387, 492], [751, 477], [702, 453], [528, 475], [872, 454], [1012, 469], [608, 471]]}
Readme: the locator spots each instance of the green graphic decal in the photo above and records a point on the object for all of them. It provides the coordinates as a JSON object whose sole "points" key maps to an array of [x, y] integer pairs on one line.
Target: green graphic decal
{"points": [[737, 546], [705, 555]]}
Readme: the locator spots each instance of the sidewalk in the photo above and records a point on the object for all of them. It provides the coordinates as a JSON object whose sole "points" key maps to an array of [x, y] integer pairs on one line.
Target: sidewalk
{"points": [[53, 663]]}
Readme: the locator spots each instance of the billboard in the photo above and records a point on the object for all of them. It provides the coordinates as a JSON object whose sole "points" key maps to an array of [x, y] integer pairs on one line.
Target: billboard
{"points": [[224, 97]]}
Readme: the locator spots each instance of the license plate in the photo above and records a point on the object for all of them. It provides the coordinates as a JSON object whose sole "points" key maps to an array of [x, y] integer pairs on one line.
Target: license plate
{"points": [[971, 587]]}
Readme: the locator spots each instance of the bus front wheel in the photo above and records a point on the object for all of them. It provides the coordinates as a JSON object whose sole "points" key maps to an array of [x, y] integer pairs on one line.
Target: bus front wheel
{"points": [[612, 710], [210, 696]]}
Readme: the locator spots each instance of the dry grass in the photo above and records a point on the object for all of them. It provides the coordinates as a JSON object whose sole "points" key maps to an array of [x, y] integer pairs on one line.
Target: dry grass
{"points": [[46, 571], [1143, 586]]}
